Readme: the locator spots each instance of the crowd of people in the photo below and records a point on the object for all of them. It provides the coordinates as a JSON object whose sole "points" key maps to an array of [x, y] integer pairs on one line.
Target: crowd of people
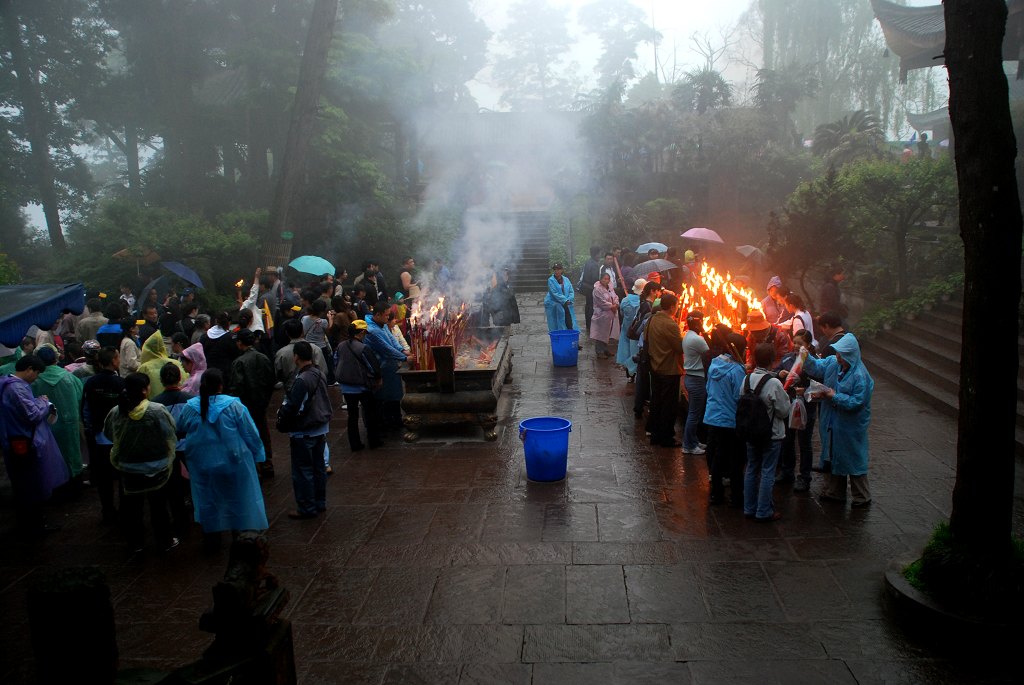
{"points": [[172, 405], [680, 371]]}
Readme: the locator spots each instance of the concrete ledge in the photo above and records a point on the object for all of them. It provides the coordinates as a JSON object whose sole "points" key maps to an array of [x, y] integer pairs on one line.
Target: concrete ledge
{"points": [[932, 614]]}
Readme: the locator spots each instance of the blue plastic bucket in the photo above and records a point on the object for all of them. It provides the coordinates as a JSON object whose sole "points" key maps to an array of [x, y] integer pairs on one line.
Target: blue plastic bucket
{"points": [[546, 444], [565, 347]]}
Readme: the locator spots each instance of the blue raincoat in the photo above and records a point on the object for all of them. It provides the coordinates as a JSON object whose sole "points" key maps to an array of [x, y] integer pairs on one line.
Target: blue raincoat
{"points": [[628, 349], [221, 454], [725, 383], [391, 355], [557, 296], [843, 425]]}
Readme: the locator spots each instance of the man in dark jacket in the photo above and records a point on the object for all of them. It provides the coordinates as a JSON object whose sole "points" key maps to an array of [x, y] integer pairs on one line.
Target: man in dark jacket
{"points": [[591, 274], [359, 375], [99, 396], [252, 381], [307, 409]]}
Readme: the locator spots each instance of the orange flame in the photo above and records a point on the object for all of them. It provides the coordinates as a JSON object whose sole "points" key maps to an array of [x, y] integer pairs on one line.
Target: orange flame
{"points": [[241, 282]]}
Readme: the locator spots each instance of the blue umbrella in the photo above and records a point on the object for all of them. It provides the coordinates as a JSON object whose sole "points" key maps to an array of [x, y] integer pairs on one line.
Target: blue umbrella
{"points": [[646, 247], [183, 272], [317, 266]]}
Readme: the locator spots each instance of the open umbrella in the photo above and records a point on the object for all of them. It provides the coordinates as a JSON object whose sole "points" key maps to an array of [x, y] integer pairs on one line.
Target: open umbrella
{"points": [[183, 272], [705, 234], [159, 284], [316, 266], [751, 252], [654, 265], [647, 247]]}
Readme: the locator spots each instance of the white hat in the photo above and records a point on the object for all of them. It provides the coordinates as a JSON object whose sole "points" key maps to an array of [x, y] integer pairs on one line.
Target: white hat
{"points": [[638, 285]]}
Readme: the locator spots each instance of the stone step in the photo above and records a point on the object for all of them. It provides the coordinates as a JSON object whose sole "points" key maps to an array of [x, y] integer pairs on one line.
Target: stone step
{"points": [[954, 319], [943, 357], [916, 366], [932, 331]]}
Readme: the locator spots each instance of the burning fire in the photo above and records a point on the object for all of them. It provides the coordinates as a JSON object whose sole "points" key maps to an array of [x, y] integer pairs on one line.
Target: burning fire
{"points": [[719, 299], [241, 282], [439, 326]]}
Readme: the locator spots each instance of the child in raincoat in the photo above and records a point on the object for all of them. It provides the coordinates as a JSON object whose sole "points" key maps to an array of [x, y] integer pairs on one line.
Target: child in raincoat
{"points": [[154, 356]]}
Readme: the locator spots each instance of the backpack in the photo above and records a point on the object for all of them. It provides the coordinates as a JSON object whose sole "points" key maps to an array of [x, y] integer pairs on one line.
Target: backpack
{"points": [[753, 424], [636, 327]]}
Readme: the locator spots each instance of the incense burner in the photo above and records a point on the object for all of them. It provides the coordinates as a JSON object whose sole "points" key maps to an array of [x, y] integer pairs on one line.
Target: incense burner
{"points": [[449, 395]]}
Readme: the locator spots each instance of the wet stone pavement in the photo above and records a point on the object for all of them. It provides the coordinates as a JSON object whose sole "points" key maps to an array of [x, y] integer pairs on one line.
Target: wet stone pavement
{"points": [[439, 562]]}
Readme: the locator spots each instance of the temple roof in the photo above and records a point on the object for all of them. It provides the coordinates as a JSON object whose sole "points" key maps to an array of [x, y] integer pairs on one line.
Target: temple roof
{"points": [[918, 34], [928, 121]]}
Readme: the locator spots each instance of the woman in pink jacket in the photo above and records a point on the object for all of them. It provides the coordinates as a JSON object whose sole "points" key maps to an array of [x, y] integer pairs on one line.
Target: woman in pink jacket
{"points": [[605, 324]]}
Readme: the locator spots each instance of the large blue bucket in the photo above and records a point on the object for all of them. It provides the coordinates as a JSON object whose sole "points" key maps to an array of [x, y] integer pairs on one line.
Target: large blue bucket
{"points": [[546, 444], [565, 347]]}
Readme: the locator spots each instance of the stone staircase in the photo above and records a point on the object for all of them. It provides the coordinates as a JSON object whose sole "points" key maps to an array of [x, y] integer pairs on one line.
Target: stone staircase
{"points": [[922, 357], [532, 270]]}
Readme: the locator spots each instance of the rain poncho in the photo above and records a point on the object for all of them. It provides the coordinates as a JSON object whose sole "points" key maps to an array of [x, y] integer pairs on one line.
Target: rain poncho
{"points": [[554, 304], [197, 356], [604, 326], [389, 352], [154, 356], [144, 444], [843, 424], [628, 349], [725, 383], [33, 476], [221, 454], [65, 391]]}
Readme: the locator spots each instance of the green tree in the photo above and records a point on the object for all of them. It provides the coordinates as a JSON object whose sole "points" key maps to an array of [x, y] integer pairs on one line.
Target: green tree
{"points": [[854, 137], [54, 50], [778, 91], [622, 27], [531, 69], [888, 200], [703, 90]]}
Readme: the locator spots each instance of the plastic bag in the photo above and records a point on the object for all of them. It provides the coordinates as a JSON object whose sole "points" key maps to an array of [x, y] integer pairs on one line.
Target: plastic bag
{"points": [[798, 415], [816, 391]]}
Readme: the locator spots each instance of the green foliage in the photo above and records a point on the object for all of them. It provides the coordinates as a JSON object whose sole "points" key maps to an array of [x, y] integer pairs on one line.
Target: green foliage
{"points": [[9, 271], [987, 586], [923, 298], [220, 250], [621, 27], [855, 137], [703, 90]]}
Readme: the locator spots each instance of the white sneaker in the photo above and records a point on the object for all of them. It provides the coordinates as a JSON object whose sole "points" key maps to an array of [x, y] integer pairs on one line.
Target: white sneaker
{"points": [[695, 450]]}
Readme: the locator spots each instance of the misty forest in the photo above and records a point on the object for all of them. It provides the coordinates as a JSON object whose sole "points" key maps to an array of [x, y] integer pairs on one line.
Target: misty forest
{"points": [[222, 132]]}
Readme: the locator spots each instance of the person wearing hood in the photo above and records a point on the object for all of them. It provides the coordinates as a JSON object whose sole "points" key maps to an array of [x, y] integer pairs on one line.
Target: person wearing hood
{"points": [[64, 391], [390, 353], [222, 448], [628, 349], [726, 453], [154, 356], [144, 438], [31, 456], [193, 358], [844, 419], [219, 348], [773, 305]]}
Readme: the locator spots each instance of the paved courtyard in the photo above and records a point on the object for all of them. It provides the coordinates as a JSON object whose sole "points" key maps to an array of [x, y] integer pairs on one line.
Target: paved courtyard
{"points": [[440, 563]]}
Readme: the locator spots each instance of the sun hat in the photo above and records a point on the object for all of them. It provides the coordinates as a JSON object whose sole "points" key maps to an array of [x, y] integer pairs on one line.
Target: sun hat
{"points": [[638, 285], [756, 321]]}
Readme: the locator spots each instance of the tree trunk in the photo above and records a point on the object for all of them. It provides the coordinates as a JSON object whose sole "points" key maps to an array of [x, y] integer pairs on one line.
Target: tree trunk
{"points": [[990, 226], [131, 153], [36, 126], [304, 108]]}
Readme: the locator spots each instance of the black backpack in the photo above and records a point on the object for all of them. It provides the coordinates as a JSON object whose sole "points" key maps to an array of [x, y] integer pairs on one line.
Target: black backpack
{"points": [[753, 423]]}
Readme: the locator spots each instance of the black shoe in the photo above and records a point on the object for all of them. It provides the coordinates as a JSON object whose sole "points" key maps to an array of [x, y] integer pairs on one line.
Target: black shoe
{"points": [[297, 516], [716, 499], [266, 470], [376, 445], [779, 480], [801, 485], [171, 545], [861, 504], [768, 519], [356, 448]]}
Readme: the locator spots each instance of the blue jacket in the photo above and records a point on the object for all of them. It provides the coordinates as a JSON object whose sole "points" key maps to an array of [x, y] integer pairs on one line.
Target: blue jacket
{"points": [[221, 453], [844, 421], [391, 355], [553, 304], [725, 382], [628, 349]]}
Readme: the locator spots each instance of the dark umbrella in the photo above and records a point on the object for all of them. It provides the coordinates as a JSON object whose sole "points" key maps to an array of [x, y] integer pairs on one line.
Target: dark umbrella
{"points": [[183, 272], [159, 284], [654, 265]]}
